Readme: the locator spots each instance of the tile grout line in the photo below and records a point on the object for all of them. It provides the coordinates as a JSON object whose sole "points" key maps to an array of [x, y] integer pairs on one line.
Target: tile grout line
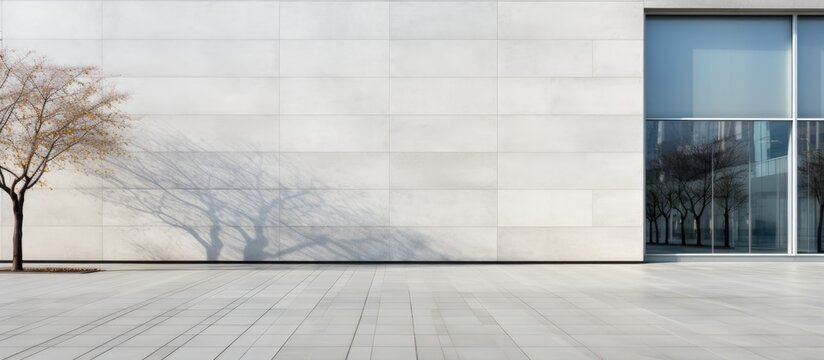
{"points": [[280, 140], [193, 301], [363, 309], [112, 316], [320, 299], [389, 132], [268, 283], [497, 131]]}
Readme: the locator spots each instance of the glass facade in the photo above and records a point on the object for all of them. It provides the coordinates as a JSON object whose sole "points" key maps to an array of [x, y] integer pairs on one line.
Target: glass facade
{"points": [[734, 134], [810, 186], [810, 59], [718, 67], [717, 186], [810, 66]]}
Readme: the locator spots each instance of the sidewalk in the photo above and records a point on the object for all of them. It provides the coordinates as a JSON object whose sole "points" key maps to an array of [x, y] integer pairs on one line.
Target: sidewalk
{"points": [[655, 311]]}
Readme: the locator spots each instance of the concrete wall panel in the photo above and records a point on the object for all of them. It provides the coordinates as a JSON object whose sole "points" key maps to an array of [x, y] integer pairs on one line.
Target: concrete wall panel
{"points": [[570, 20], [566, 208], [307, 133], [570, 134], [190, 19], [201, 95], [334, 244], [533, 58], [617, 58], [332, 96], [581, 171], [63, 52], [206, 133], [465, 58], [443, 208], [443, 96], [334, 20], [207, 58], [443, 244], [570, 244], [352, 130], [443, 171], [52, 20], [443, 20], [334, 208], [460, 133], [335, 170], [334, 57]]}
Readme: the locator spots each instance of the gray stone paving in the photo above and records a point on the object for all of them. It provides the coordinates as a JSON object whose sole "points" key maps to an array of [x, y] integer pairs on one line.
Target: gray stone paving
{"points": [[649, 311]]}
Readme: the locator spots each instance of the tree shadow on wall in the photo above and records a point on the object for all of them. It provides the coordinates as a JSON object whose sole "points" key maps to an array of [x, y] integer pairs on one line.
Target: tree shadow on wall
{"points": [[233, 206]]}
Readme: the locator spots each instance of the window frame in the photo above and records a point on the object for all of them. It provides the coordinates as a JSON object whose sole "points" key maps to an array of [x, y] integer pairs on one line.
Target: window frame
{"points": [[792, 156]]}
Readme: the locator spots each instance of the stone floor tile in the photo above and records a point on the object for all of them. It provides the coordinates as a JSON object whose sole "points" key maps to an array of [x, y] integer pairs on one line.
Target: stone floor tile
{"points": [[313, 353], [394, 353], [442, 312], [188, 353], [123, 352], [359, 353]]}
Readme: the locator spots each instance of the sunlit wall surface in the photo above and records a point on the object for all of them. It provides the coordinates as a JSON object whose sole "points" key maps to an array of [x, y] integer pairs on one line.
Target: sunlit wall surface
{"points": [[718, 124], [340, 130]]}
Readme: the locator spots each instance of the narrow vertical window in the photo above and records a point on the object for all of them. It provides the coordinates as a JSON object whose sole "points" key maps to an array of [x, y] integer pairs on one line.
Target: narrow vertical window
{"points": [[810, 134]]}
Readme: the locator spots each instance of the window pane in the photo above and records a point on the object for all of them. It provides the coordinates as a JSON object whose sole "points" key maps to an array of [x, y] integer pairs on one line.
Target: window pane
{"points": [[716, 186], [810, 186], [810, 66], [718, 66]]}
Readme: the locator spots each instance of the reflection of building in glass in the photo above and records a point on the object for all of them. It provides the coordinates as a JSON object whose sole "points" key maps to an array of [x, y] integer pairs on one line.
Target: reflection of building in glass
{"points": [[810, 186], [727, 178], [719, 126]]}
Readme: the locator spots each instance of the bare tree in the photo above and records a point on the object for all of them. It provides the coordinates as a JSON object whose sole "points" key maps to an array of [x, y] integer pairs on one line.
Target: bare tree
{"points": [[729, 186], [652, 210], [666, 194], [698, 194], [692, 185], [667, 202], [52, 117], [691, 171], [811, 176]]}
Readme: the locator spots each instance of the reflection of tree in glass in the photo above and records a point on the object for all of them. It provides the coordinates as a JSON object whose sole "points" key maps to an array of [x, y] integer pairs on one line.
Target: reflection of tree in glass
{"points": [[660, 202], [730, 182], [811, 176], [652, 208], [690, 175], [664, 195], [690, 167]]}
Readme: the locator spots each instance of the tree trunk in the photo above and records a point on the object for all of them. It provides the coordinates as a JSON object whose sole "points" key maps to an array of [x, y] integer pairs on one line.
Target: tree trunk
{"points": [[683, 231], [818, 231], [17, 237], [666, 230], [726, 229], [657, 233], [649, 225], [698, 231]]}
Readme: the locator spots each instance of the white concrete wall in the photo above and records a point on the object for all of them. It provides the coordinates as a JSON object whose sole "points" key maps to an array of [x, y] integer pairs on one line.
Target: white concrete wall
{"points": [[352, 130]]}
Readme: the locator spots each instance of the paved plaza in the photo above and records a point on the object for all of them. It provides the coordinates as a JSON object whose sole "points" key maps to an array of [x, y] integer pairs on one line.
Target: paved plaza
{"points": [[629, 311]]}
